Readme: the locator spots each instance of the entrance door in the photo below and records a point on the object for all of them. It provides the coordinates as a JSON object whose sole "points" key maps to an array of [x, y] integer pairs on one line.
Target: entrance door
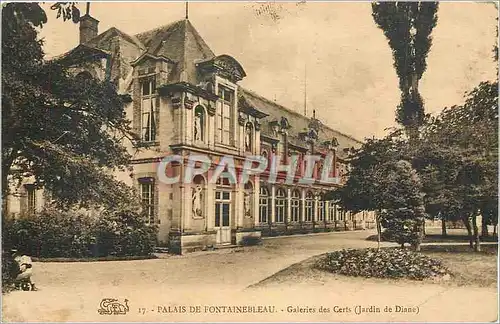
{"points": [[222, 217]]}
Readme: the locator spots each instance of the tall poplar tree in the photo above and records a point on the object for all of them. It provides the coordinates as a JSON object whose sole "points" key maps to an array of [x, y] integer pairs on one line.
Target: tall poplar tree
{"points": [[408, 27]]}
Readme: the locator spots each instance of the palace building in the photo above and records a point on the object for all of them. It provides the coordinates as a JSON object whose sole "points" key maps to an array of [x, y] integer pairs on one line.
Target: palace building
{"points": [[185, 99]]}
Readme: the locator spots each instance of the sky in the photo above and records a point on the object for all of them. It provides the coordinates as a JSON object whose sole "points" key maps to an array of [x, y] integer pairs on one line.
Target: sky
{"points": [[329, 55]]}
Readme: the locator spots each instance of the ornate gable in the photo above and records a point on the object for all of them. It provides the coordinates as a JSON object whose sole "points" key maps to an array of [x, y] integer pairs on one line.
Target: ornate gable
{"points": [[225, 66]]}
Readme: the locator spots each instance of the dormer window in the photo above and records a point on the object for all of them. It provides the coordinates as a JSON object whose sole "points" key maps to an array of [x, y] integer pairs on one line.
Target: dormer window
{"points": [[148, 109]]}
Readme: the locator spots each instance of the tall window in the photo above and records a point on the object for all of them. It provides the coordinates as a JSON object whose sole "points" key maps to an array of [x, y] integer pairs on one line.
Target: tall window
{"points": [[263, 204], [295, 205], [148, 109], [224, 112], [280, 203], [309, 207], [147, 187], [31, 198], [332, 211], [321, 208], [341, 214]]}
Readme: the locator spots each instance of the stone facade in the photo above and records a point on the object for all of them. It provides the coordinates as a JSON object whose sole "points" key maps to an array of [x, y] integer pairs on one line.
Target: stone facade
{"points": [[187, 100]]}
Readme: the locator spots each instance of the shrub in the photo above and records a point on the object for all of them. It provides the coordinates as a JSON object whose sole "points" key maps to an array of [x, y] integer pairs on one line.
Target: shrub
{"points": [[403, 225], [10, 269], [386, 263], [124, 232], [250, 240], [53, 233]]}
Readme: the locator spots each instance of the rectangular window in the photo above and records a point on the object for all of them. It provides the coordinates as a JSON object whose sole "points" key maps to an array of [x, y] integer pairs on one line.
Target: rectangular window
{"points": [[263, 210], [295, 210], [309, 210], [148, 109], [224, 115], [321, 210], [31, 198], [332, 211], [280, 210], [148, 198]]}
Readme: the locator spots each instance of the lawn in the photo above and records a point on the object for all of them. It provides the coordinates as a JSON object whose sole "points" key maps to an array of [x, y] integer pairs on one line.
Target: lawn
{"points": [[467, 267]]}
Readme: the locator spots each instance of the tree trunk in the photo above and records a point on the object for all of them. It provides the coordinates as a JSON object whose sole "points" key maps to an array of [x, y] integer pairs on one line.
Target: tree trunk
{"points": [[379, 231], [443, 227], [477, 244], [466, 221]]}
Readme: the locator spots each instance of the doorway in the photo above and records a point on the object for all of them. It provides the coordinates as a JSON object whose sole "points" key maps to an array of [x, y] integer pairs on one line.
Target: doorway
{"points": [[223, 217]]}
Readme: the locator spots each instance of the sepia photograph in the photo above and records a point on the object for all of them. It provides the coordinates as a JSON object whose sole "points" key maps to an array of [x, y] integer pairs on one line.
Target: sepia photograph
{"points": [[212, 161]]}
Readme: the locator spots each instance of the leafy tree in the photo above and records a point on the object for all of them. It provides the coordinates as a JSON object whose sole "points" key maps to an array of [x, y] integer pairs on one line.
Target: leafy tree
{"points": [[372, 186], [459, 149], [64, 130], [404, 211], [408, 27]]}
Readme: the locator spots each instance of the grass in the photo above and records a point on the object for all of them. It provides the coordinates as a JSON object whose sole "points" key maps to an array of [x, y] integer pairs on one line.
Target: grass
{"points": [[467, 267]]}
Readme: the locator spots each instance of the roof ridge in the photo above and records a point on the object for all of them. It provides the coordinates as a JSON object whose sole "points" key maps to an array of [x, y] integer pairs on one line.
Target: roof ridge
{"points": [[158, 28], [124, 35], [296, 113]]}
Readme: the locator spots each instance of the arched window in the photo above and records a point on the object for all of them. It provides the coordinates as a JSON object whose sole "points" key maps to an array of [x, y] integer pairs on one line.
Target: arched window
{"points": [[199, 124], [309, 207], [263, 204], [280, 203], [248, 137], [295, 205]]}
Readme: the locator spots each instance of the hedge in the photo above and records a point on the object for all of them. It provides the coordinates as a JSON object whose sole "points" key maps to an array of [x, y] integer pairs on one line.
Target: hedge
{"points": [[55, 234]]}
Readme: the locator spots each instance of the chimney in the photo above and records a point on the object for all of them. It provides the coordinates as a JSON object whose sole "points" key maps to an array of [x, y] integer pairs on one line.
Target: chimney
{"points": [[88, 28]]}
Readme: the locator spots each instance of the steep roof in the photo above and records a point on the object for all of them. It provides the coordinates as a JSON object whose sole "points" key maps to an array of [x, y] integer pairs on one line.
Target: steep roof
{"points": [[179, 42], [103, 40], [299, 123]]}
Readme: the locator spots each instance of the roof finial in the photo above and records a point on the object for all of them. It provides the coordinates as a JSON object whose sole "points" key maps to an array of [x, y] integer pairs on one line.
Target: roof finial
{"points": [[314, 114], [187, 10], [305, 89], [88, 8]]}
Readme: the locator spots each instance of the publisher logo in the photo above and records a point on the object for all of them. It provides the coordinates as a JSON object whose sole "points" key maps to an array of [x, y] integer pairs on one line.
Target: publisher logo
{"points": [[112, 306]]}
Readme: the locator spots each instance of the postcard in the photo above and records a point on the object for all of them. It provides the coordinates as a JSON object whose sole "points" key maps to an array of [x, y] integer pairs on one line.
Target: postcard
{"points": [[250, 161]]}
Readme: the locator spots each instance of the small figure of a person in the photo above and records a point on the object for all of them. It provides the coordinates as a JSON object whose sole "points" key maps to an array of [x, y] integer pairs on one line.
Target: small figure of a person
{"points": [[25, 266]]}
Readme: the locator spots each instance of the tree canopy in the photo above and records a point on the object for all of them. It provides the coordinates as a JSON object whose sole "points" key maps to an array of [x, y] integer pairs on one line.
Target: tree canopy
{"points": [[66, 131]]}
